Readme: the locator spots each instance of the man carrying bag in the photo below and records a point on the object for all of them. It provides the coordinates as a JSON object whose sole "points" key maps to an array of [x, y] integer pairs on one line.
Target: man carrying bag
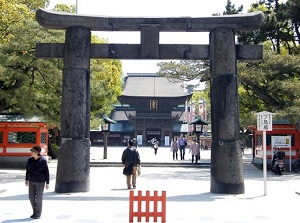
{"points": [[131, 161]]}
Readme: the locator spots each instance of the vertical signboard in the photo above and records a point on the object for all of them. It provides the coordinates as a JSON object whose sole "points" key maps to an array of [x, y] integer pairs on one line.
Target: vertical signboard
{"points": [[264, 123]]}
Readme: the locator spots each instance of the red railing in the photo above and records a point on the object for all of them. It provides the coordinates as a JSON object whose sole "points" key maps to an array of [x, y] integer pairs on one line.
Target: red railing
{"points": [[146, 201]]}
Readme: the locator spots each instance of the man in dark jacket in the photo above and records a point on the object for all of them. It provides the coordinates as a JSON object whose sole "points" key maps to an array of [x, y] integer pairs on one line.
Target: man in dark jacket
{"points": [[131, 158], [37, 178]]}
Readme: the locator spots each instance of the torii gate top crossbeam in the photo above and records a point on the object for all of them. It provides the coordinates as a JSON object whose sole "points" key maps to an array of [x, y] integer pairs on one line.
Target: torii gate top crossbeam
{"points": [[59, 20]]}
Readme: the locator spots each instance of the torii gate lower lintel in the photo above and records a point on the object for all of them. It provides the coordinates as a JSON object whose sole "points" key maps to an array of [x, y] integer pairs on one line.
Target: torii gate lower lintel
{"points": [[226, 160]]}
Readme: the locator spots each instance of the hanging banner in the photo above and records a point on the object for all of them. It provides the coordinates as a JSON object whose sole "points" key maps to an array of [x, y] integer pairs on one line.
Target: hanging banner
{"points": [[201, 109]]}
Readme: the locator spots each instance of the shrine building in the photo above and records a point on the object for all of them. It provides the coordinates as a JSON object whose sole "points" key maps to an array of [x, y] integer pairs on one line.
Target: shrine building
{"points": [[151, 106]]}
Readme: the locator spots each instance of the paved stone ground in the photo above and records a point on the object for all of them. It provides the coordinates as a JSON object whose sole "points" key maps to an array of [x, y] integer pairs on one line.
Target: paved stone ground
{"points": [[187, 189]]}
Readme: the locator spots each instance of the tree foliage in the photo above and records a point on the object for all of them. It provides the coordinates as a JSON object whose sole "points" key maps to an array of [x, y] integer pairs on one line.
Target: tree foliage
{"points": [[271, 84], [32, 86], [185, 70], [278, 28], [26, 83], [230, 9], [106, 86]]}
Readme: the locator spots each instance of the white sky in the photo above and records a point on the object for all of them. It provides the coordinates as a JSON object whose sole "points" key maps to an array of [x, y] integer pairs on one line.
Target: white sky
{"points": [[153, 8]]}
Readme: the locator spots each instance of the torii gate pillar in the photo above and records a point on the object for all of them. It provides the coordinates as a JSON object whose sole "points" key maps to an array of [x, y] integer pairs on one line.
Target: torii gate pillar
{"points": [[73, 169], [225, 150]]}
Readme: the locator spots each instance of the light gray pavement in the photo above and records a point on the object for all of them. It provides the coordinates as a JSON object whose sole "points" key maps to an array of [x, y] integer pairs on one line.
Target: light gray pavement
{"points": [[187, 189]]}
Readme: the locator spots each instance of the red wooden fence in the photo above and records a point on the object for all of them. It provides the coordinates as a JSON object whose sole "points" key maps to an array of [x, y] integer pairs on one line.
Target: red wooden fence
{"points": [[145, 201]]}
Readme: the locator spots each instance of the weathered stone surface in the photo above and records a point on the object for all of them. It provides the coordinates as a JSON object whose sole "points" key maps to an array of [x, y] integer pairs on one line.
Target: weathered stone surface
{"points": [[73, 167], [132, 51], [226, 159], [149, 48], [74, 163], [227, 168], [61, 20]]}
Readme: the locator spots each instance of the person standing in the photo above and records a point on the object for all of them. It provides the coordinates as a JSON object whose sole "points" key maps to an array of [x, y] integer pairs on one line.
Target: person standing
{"points": [[37, 178], [181, 145], [242, 146], [195, 149], [174, 148], [154, 144], [131, 157], [201, 144]]}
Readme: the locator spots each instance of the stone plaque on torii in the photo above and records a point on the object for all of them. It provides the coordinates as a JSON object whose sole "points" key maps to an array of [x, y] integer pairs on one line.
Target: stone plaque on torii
{"points": [[73, 170]]}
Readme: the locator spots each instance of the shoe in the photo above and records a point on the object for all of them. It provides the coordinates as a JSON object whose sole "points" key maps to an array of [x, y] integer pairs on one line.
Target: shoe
{"points": [[37, 217], [134, 187], [129, 188], [32, 216]]}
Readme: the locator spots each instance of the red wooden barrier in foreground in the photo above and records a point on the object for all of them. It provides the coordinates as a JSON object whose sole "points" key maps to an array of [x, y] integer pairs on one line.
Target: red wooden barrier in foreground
{"points": [[145, 201]]}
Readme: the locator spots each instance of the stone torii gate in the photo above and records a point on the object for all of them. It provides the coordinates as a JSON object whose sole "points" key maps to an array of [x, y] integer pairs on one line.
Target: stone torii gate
{"points": [[73, 170]]}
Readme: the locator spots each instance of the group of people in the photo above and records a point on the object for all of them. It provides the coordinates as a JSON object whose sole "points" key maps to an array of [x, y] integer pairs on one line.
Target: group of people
{"points": [[180, 144], [37, 175], [37, 172], [132, 162]]}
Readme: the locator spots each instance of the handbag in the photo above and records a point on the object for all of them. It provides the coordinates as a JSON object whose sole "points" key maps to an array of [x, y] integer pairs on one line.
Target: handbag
{"points": [[128, 170], [139, 171]]}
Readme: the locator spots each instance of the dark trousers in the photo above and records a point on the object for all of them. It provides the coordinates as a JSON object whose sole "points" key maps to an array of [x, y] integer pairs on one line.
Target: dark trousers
{"points": [[36, 190], [196, 158], [182, 152], [175, 155]]}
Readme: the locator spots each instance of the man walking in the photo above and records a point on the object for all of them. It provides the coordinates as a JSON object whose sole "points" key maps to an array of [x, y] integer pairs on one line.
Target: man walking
{"points": [[131, 160], [181, 145]]}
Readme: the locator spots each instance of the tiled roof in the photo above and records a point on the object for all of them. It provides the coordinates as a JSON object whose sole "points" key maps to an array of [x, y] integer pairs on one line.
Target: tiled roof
{"points": [[119, 115], [20, 118], [152, 85]]}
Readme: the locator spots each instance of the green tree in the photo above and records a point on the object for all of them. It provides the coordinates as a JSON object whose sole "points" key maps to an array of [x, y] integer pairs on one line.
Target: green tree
{"points": [[293, 13], [271, 84], [230, 9], [185, 70], [106, 86], [277, 28], [25, 82], [31, 86]]}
